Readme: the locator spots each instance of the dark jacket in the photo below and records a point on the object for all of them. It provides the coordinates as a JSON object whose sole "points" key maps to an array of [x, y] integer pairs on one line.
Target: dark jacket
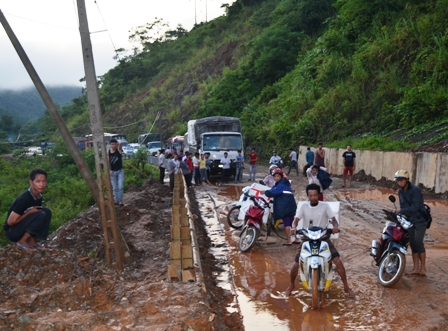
{"points": [[411, 203], [284, 203]]}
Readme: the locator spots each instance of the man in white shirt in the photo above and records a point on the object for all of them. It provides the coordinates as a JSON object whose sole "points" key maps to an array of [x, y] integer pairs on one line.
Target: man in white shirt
{"points": [[161, 166], [225, 161], [317, 213]]}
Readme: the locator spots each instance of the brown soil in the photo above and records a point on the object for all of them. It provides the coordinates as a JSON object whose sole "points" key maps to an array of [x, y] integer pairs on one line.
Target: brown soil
{"points": [[68, 287]]}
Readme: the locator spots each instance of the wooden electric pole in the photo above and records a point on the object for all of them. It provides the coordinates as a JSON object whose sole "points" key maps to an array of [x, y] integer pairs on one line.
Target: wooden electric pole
{"points": [[53, 111], [116, 248]]}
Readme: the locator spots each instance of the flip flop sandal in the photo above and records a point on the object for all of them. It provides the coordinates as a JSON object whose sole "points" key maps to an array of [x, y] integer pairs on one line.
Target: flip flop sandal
{"points": [[24, 247]]}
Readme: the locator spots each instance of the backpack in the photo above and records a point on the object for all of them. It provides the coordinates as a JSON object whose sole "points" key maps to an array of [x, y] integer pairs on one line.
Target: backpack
{"points": [[324, 179], [427, 215]]}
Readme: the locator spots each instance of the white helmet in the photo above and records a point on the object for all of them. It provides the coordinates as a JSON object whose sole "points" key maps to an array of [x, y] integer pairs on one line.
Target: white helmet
{"points": [[401, 174], [271, 168]]}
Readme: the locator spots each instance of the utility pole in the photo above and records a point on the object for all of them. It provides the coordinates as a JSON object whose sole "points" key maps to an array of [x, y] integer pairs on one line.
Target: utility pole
{"points": [[116, 249], [53, 111]]}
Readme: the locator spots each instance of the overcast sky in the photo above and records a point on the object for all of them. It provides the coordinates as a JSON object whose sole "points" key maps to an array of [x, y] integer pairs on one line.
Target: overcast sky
{"points": [[48, 31]]}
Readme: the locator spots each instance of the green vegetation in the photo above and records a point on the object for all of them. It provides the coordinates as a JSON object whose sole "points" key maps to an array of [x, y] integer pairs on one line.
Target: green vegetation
{"points": [[67, 193], [294, 71]]}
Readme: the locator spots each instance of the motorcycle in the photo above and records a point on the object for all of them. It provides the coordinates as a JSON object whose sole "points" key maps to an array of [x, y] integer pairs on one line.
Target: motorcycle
{"points": [[236, 214], [257, 214], [389, 252], [315, 265]]}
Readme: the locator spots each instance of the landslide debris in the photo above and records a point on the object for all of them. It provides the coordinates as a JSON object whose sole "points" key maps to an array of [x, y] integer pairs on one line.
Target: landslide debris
{"points": [[67, 286]]}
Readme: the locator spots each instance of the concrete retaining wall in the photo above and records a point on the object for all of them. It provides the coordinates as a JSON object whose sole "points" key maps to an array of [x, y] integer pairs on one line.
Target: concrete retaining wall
{"points": [[428, 169]]}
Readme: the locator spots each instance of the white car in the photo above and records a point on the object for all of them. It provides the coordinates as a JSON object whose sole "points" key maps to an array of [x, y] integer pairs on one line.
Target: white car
{"points": [[153, 147], [128, 151], [34, 151]]}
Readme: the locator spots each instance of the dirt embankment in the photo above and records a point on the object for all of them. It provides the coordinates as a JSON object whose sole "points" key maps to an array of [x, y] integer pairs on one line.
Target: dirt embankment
{"points": [[68, 287]]}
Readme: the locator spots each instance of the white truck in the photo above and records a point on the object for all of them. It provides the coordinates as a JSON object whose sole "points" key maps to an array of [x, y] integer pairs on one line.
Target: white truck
{"points": [[216, 135]]}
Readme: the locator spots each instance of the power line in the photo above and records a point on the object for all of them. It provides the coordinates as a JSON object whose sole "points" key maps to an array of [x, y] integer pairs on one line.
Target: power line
{"points": [[110, 37], [31, 20]]}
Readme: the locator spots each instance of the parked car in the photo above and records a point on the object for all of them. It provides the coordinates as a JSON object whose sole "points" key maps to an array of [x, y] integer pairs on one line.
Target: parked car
{"points": [[153, 147], [34, 151], [128, 151]]}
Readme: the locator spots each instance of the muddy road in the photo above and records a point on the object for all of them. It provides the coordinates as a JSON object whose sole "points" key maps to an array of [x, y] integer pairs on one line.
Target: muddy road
{"points": [[259, 278]]}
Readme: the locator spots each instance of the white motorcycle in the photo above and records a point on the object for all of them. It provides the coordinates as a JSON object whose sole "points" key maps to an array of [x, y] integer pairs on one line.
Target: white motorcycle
{"points": [[315, 268]]}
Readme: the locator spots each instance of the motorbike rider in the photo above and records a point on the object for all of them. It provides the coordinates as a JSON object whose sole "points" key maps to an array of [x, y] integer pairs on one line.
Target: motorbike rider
{"points": [[269, 180], [284, 203], [276, 160], [411, 206], [319, 212]]}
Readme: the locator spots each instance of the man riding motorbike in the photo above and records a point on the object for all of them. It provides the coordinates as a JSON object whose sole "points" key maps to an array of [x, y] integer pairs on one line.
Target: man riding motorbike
{"points": [[319, 212]]}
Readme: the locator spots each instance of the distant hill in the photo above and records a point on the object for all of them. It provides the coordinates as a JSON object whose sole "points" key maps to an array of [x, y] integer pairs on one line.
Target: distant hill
{"points": [[26, 105]]}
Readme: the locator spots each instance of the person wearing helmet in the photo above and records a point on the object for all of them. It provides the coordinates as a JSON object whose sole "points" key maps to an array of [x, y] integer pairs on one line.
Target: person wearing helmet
{"points": [[284, 203], [269, 180], [275, 160], [411, 206]]}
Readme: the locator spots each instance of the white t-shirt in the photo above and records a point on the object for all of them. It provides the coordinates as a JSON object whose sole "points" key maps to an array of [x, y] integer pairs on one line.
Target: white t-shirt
{"points": [[293, 156], [195, 162], [225, 161], [162, 160], [320, 214]]}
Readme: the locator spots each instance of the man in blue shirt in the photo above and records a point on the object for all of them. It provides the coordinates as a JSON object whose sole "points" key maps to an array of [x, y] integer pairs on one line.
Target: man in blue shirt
{"points": [[239, 167], [309, 156], [411, 205]]}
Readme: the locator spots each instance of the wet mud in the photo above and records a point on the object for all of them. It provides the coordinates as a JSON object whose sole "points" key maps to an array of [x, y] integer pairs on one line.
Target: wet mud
{"points": [[260, 277]]}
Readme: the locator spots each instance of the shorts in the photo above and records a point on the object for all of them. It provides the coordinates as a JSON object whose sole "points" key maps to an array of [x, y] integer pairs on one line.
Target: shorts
{"points": [[287, 221], [333, 251], [348, 170], [416, 237]]}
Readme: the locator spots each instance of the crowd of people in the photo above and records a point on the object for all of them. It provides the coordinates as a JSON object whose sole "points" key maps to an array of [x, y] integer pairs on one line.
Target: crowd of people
{"points": [[28, 221]]}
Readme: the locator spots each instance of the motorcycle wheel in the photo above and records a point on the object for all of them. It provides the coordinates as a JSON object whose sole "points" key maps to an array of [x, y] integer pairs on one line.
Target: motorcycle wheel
{"points": [[232, 218], [315, 288], [391, 268], [248, 238]]}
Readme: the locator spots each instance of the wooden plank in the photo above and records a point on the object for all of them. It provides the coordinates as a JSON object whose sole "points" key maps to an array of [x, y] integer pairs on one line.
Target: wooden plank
{"points": [[175, 250], [175, 232], [186, 241], [176, 219], [188, 275], [186, 263], [174, 272], [184, 232], [187, 252]]}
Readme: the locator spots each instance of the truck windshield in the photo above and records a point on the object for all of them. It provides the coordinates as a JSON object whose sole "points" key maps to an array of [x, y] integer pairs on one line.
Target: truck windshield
{"points": [[222, 142]]}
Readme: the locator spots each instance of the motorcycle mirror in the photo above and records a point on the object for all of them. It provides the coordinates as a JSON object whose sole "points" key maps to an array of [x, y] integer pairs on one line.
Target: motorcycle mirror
{"points": [[392, 198]]}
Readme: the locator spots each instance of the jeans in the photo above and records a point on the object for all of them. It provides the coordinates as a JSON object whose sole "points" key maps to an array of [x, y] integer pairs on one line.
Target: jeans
{"points": [[117, 179], [196, 176], [203, 173], [252, 171], [293, 165], [238, 174], [225, 175]]}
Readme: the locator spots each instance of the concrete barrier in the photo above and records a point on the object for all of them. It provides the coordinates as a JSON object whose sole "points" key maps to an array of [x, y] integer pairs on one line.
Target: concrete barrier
{"points": [[427, 169]]}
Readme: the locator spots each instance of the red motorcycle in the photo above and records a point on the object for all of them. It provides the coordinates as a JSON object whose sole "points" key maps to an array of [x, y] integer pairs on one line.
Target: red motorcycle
{"points": [[389, 252], [256, 215]]}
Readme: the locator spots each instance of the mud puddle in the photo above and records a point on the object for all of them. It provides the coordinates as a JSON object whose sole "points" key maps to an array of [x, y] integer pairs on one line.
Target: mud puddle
{"points": [[258, 278]]}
